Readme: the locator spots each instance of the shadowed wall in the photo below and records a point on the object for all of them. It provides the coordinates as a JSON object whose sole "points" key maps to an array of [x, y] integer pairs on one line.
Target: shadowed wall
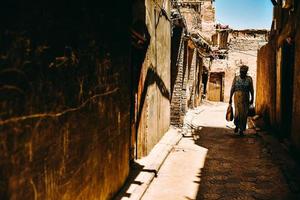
{"points": [[64, 99]]}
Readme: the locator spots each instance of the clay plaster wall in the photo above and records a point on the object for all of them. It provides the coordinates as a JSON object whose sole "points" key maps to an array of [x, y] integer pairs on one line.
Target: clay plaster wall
{"points": [[154, 82], [266, 82], [296, 97], [284, 66], [64, 100]]}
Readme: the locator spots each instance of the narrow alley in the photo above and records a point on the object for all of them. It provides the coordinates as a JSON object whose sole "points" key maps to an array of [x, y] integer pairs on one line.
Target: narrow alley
{"points": [[150, 99], [212, 162]]}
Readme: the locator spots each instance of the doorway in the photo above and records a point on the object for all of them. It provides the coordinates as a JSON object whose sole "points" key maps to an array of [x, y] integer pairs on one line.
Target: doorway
{"points": [[215, 86], [287, 76]]}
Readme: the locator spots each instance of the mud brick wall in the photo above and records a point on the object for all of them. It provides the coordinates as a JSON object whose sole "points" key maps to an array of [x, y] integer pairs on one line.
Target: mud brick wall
{"points": [[185, 79], [187, 82], [279, 73], [208, 19], [64, 99], [153, 90], [192, 85], [191, 77], [176, 101], [192, 19], [296, 88], [198, 87], [265, 85]]}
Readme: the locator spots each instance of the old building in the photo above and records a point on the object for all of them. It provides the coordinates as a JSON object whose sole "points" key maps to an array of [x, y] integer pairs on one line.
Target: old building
{"points": [[189, 50], [151, 84], [83, 91], [199, 16], [278, 73], [86, 93], [86, 88], [232, 48]]}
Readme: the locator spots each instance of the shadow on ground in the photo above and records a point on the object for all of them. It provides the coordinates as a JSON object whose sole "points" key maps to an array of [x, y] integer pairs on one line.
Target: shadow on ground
{"points": [[131, 181], [239, 167]]}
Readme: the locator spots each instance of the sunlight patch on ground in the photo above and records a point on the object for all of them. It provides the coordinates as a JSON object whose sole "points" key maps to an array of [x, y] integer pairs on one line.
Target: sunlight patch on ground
{"points": [[180, 176], [209, 114]]}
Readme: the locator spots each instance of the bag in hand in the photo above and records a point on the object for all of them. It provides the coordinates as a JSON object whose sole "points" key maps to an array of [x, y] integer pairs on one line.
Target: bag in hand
{"points": [[229, 113]]}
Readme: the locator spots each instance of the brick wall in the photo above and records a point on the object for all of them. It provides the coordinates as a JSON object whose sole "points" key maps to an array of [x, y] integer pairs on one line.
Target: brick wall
{"points": [[188, 82], [192, 78], [185, 79], [176, 116]]}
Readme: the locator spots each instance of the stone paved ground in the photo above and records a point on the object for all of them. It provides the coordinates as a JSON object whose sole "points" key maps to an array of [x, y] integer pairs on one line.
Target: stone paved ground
{"points": [[235, 167], [239, 168]]}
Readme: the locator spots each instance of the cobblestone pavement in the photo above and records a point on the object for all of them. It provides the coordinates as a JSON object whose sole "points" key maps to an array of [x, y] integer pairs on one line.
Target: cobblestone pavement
{"points": [[236, 167], [239, 168]]}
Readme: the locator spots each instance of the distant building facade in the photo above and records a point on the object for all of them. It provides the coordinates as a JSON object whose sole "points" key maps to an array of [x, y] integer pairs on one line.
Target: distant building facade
{"points": [[232, 48]]}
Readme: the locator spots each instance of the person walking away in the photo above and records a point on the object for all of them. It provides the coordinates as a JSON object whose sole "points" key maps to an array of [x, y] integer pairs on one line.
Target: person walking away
{"points": [[242, 89]]}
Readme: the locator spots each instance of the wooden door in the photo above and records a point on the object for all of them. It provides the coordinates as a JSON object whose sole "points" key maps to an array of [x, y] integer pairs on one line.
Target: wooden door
{"points": [[215, 87]]}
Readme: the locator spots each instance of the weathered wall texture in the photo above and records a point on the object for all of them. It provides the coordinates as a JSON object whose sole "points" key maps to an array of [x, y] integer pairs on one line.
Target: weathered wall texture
{"points": [[188, 58], [64, 111], [179, 66], [153, 96], [191, 11], [208, 20], [284, 66], [266, 82], [242, 49], [296, 89], [199, 16], [193, 88], [187, 91], [192, 19]]}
